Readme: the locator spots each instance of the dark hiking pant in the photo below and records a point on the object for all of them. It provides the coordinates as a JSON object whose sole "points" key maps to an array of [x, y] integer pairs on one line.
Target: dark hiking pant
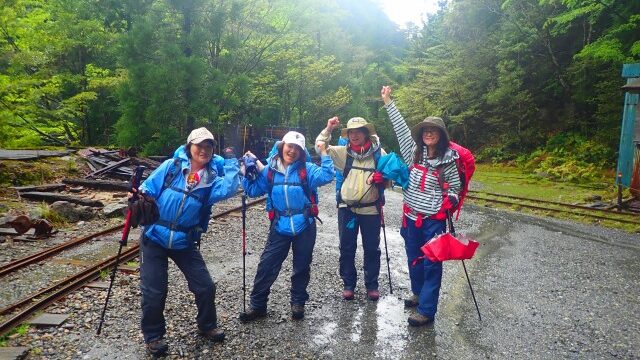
{"points": [[349, 224], [153, 285], [275, 252]]}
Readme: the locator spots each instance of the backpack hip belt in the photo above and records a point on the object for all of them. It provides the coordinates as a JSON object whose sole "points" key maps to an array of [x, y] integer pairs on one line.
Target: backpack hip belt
{"points": [[175, 227], [406, 210], [362, 205]]}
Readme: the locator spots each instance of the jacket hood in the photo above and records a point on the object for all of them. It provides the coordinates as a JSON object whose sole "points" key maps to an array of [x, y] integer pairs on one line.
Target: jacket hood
{"points": [[276, 164], [449, 156], [375, 145], [210, 173]]}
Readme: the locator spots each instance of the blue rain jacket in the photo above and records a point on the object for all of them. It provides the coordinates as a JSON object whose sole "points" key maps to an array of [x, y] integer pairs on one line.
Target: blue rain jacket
{"points": [[272, 153], [290, 197], [182, 209], [394, 168]]}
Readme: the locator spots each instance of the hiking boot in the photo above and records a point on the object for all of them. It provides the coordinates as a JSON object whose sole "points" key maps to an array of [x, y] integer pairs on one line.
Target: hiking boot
{"points": [[347, 294], [157, 348], [411, 302], [252, 314], [297, 311], [419, 320], [373, 295], [214, 335]]}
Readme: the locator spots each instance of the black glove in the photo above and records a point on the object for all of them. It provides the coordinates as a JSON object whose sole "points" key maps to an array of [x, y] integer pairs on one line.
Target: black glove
{"points": [[229, 153], [144, 211]]}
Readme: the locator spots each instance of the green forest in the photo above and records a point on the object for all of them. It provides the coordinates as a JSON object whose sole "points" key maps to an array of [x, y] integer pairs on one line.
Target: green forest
{"points": [[536, 81]]}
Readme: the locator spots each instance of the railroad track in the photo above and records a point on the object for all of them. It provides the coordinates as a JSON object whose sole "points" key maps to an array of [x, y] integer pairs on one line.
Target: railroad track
{"points": [[25, 308], [557, 207]]}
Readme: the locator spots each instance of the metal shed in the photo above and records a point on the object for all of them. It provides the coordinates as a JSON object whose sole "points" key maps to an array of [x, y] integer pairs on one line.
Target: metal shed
{"points": [[629, 154]]}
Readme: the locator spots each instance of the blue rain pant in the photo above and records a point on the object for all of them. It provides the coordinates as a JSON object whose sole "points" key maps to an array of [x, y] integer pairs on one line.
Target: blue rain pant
{"points": [[425, 276], [349, 224], [154, 281], [275, 252]]}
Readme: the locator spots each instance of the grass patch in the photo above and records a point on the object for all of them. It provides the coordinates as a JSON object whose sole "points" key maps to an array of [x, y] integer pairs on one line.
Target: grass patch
{"points": [[53, 216], [36, 172], [18, 331], [510, 180]]}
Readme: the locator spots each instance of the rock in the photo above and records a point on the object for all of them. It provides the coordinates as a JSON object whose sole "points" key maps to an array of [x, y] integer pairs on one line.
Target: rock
{"points": [[71, 212], [114, 209]]}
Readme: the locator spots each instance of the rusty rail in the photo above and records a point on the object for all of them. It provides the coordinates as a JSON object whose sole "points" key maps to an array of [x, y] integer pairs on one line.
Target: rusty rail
{"points": [[34, 258], [581, 207], [53, 293], [552, 209]]}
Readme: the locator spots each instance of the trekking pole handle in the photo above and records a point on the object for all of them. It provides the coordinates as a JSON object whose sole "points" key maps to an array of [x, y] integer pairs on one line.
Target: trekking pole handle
{"points": [[452, 230], [135, 182]]}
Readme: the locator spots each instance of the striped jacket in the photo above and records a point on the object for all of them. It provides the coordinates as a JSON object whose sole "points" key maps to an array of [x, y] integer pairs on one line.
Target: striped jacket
{"points": [[423, 195]]}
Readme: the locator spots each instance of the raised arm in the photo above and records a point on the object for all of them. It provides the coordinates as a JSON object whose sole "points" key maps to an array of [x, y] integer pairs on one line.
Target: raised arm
{"points": [[407, 145], [323, 174], [323, 140], [226, 186], [325, 134]]}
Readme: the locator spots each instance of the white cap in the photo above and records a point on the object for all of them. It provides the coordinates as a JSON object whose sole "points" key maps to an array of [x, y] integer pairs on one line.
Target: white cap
{"points": [[199, 135], [293, 137]]}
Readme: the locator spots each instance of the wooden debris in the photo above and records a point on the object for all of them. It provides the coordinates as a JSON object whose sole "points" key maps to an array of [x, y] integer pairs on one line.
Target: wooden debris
{"points": [[53, 197], [109, 167], [44, 187], [99, 184], [31, 154]]}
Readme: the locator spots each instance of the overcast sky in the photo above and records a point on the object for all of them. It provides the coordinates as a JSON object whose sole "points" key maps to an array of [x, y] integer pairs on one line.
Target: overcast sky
{"points": [[403, 11]]}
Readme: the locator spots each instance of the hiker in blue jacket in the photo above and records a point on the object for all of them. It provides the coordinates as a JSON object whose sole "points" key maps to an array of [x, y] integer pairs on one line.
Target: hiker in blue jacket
{"points": [[184, 189], [289, 180]]}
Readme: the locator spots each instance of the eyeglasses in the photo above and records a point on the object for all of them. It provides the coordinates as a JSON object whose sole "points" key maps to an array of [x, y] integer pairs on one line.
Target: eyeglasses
{"points": [[430, 131], [205, 145]]}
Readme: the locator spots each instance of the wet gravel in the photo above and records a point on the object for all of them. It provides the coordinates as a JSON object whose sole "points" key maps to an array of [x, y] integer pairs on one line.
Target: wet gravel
{"points": [[546, 289]]}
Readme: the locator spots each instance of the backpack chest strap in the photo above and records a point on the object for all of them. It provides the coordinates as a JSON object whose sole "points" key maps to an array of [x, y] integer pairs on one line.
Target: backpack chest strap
{"points": [[191, 194]]}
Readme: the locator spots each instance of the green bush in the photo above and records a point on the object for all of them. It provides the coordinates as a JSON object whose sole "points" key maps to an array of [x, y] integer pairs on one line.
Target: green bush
{"points": [[495, 154], [569, 157]]}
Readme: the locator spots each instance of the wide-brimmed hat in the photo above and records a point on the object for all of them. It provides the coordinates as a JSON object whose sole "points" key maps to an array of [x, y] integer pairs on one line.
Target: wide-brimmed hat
{"points": [[295, 138], [431, 121], [199, 135], [358, 123]]}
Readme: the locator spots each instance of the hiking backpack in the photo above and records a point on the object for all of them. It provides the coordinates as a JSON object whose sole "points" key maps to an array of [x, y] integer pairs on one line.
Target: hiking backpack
{"points": [[466, 165], [312, 209]]}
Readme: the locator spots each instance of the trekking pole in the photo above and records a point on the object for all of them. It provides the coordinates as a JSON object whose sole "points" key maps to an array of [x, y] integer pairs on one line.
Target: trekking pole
{"points": [[244, 253], [135, 182], [452, 230], [386, 250]]}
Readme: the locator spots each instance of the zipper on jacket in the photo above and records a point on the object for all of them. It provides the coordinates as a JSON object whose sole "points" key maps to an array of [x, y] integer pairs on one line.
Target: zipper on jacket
{"points": [[175, 220], [285, 188]]}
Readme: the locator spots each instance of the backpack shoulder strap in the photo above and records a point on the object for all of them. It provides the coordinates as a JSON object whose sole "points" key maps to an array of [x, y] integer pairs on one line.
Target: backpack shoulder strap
{"points": [[347, 166], [171, 175], [349, 163], [441, 180], [304, 181], [270, 175]]}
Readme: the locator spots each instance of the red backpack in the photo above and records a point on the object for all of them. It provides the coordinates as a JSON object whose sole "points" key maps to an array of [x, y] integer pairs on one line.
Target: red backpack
{"points": [[466, 165]]}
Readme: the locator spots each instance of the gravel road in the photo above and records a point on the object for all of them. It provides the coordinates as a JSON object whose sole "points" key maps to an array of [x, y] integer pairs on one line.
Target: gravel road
{"points": [[547, 289]]}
